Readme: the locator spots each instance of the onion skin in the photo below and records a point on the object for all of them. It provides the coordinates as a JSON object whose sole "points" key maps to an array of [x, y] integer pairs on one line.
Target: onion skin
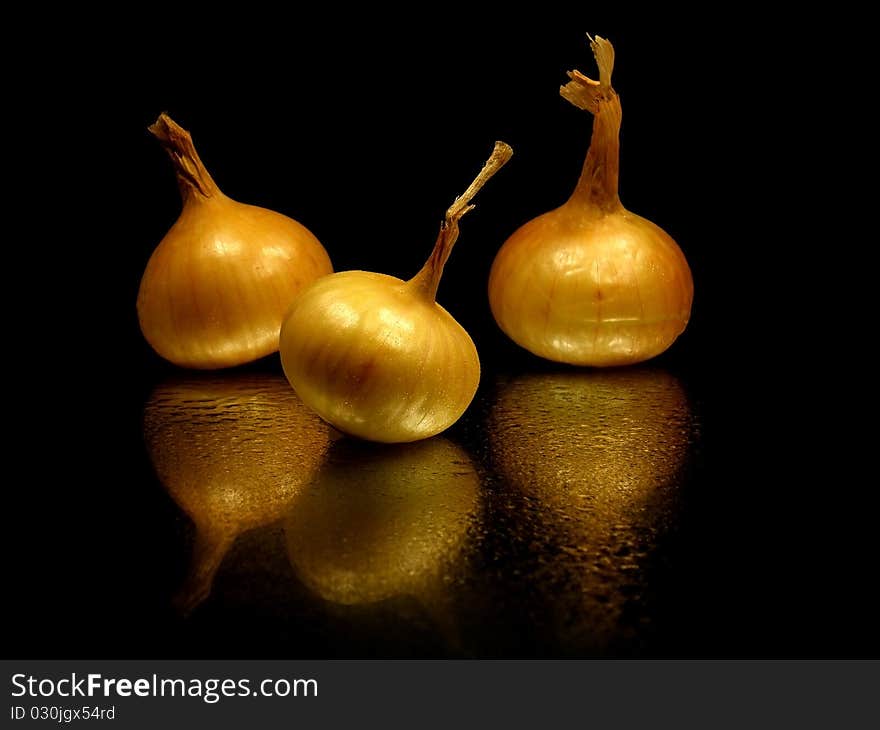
{"points": [[397, 367], [598, 290], [215, 290], [376, 356], [591, 283]]}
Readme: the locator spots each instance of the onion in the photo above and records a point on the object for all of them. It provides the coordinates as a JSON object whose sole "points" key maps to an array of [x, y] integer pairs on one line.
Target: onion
{"points": [[217, 286], [377, 357], [591, 283]]}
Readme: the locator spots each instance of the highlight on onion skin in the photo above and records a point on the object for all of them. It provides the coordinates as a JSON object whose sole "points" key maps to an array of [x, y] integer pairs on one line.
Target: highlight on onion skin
{"points": [[216, 288], [376, 356], [591, 283], [234, 452]]}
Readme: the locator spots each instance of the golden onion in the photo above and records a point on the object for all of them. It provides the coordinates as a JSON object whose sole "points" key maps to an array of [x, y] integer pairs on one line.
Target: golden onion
{"points": [[376, 356], [217, 286], [591, 283]]}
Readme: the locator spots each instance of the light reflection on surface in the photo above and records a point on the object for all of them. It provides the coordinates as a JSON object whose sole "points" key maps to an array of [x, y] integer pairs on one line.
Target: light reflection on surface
{"points": [[233, 452], [382, 521], [541, 539], [592, 460]]}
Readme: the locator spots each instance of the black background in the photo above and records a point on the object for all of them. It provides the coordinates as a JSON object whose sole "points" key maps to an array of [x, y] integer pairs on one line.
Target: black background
{"points": [[364, 128]]}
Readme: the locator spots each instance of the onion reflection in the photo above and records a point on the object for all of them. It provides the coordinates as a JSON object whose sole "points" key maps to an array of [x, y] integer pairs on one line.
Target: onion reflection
{"points": [[233, 453], [595, 458], [385, 521]]}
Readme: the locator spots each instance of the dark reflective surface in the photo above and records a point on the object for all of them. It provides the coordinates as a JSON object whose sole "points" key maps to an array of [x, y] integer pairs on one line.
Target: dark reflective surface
{"points": [[589, 465], [541, 537]]}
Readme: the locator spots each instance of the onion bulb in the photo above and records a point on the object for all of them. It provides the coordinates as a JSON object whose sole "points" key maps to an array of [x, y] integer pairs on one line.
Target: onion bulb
{"points": [[217, 286], [591, 283], [376, 356], [234, 454]]}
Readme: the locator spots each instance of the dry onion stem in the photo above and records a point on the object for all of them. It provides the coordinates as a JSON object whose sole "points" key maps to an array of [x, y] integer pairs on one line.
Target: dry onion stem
{"points": [[428, 278]]}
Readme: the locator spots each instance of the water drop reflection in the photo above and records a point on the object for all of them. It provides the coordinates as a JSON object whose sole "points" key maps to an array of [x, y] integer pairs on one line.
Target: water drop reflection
{"points": [[233, 452], [594, 462]]}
